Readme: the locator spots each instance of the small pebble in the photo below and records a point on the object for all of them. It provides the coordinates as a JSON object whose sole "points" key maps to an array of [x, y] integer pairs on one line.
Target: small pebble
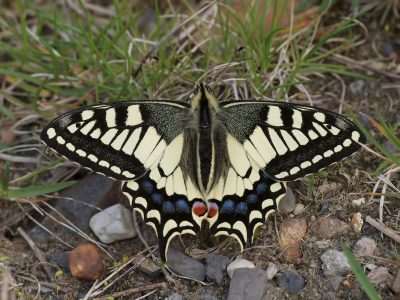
{"points": [[185, 265], [378, 275], [357, 222], [335, 281], [387, 49], [85, 262], [335, 263], [291, 233], [288, 202], [392, 149], [247, 284], [238, 263], [215, 266], [365, 246], [271, 270], [323, 244], [325, 207], [396, 283], [175, 296], [371, 266], [357, 86], [146, 266], [60, 259], [113, 224], [346, 284], [358, 202], [298, 209], [291, 282], [327, 228]]}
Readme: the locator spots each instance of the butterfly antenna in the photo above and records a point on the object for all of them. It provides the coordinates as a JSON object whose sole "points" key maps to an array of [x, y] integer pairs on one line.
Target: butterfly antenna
{"points": [[215, 78], [187, 79]]}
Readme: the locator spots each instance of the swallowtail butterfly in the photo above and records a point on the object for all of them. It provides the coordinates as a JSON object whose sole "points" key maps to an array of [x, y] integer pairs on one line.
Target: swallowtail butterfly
{"points": [[225, 162]]}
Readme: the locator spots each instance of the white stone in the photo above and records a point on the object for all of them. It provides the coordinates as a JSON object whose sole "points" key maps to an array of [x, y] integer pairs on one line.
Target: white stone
{"points": [[238, 263], [113, 224], [271, 270], [298, 209], [359, 201]]}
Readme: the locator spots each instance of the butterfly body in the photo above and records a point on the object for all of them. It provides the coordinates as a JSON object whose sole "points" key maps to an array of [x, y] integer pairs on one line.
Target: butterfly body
{"points": [[224, 162]]}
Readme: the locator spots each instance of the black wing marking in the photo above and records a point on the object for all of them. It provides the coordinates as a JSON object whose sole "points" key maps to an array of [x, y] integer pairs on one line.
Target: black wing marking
{"points": [[242, 199], [168, 197], [121, 139], [288, 140]]}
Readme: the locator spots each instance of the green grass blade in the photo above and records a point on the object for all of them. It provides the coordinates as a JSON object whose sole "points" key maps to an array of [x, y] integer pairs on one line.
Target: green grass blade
{"points": [[39, 190], [311, 180], [6, 178], [362, 278], [370, 137], [7, 112], [396, 255], [54, 163]]}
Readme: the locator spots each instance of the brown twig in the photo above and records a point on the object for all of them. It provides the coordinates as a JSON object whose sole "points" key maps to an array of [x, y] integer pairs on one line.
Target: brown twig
{"points": [[127, 272], [360, 65], [395, 263], [37, 252], [5, 285], [11, 220], [53, 286], [383, 228], [133, 291]]}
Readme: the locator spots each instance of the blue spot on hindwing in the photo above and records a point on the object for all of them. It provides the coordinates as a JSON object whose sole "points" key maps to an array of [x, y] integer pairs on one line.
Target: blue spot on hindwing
{"points": [[182, 206], [261, 187], [148, 186], [228, 207], [252, 198], [157, 198], [169, 207], [241, 208]]}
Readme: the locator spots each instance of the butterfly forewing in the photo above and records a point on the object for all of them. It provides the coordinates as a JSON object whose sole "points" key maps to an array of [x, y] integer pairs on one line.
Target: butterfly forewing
{"points": [[290, 141], [121, 139]]}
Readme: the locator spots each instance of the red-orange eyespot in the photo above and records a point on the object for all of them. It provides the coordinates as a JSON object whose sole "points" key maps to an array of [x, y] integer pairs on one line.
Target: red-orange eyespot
{"points": [[212, 210], [199, 208]]}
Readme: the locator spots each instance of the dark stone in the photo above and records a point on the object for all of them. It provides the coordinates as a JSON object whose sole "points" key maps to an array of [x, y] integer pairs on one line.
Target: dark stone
{"points": [[365, 122], [325, 207], [288, 202], [215, 266], [335, 281], [387, 49], [60, 259], [175, 296], [209, 297], [247, 284], [184, 265], [391, 148], [95, 190], [291, 282]]}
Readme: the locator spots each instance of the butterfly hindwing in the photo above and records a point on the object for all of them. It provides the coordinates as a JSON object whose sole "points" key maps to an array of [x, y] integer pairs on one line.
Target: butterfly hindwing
{"points": [[243, 197], [121, 139], [290, 141], [167, 196]]}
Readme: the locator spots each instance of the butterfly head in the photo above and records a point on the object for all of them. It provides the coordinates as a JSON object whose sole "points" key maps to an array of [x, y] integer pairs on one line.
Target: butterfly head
{"points": [[202, 97]]}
